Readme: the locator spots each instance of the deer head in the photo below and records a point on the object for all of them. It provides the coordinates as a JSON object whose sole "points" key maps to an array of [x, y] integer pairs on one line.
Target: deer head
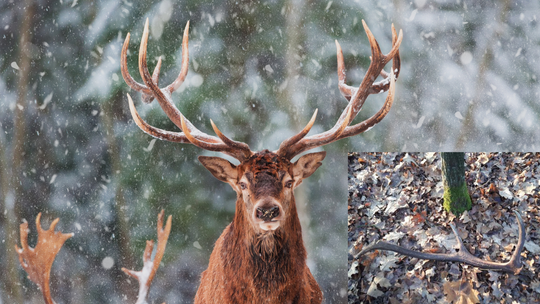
{"points": [[265, 183]]}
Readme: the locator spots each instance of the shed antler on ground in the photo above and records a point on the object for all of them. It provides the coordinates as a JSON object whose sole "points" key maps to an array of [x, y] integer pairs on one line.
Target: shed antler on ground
{"points": [[462, 255]]}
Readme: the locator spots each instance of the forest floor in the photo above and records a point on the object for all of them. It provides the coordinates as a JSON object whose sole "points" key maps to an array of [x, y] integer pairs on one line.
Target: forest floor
{"points": [[398, 197]]}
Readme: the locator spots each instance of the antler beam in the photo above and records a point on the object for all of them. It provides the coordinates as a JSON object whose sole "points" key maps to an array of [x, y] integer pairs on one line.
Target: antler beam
{"points": [[463, 255]]}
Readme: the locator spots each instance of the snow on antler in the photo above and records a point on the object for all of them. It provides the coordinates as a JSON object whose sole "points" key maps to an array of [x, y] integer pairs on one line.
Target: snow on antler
{"points": [[147, 273]]}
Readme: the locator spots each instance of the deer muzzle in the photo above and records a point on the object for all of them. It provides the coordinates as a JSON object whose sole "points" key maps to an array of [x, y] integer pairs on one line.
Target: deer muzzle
{"points": [[268, 214]]}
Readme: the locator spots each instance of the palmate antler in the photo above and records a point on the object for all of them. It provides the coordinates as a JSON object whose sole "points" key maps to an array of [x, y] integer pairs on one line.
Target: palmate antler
{"points": [[462, 255], [37, 261], [288, 148]]}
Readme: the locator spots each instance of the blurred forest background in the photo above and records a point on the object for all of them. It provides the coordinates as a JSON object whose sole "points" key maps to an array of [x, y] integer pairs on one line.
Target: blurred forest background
{"points": [[69, 149]]}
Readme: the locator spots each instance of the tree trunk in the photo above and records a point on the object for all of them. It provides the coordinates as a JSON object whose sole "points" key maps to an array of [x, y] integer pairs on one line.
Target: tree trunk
{"points": [[456, 194], [12, 190], [122, 226], [295, 37], [468, 128]]}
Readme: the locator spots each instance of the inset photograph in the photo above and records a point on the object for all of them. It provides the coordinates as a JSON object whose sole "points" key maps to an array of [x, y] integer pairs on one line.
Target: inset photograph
{"points": [[444, 227]]}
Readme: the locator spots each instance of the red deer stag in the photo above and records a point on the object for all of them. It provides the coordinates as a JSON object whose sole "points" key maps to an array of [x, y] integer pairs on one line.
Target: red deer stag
{"points": [[260, 256]]}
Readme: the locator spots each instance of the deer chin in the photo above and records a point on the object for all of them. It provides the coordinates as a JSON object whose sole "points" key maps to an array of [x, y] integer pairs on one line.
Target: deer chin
{"points": [[269, 226]]}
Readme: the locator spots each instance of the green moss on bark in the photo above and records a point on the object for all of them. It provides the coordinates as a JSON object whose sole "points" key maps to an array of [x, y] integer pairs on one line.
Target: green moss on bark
{"points": [[456, 194], [457, 199]]}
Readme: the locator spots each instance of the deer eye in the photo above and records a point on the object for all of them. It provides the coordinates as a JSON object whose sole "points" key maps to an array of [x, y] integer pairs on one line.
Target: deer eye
{"points": [[289, 184], [243, 186]]}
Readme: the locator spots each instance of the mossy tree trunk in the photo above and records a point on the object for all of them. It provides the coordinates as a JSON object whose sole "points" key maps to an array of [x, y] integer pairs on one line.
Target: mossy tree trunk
{"points": [[456, 194]]}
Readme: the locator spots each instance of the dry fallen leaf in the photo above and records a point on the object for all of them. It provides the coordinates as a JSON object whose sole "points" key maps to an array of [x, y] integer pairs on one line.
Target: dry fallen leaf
{"points": [[460, 292], [353, 269], [388, 261], [373, 291], [532, 247], [420, 217]]}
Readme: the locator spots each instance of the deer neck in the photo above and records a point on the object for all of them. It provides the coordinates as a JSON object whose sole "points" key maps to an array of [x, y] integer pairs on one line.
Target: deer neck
{"points": [[275, 257]]}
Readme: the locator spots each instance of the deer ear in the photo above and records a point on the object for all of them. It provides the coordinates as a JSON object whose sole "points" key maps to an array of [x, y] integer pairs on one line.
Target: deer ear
{"points": [[221, 168], [306, 165]]}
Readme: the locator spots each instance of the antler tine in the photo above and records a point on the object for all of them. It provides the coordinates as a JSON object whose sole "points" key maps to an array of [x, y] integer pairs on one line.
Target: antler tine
{"points": [[240, 146], [463, 255], [164, 99], [332, 135], [148, 98], [143, 67], [378, 61], [346, 90], [375, 48], [383, 85], [375, 119], [23, 229], [378, 87], [357, 97], [163, 236], [515, 259], [302, 133], [396, 62], [185, 62], [155, 74], [125, 73], [195, 141], [339, 131], [37, 261], [240, 153]]}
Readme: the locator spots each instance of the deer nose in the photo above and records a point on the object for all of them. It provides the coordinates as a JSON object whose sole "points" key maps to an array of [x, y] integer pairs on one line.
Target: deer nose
{"points": [[267, 214]]}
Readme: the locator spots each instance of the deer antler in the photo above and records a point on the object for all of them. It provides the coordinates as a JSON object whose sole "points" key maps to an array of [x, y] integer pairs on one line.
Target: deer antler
{"points": [[288, 148], [298, 144], [146, 275], [37, 262], [463, 255], [150, 90]]}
